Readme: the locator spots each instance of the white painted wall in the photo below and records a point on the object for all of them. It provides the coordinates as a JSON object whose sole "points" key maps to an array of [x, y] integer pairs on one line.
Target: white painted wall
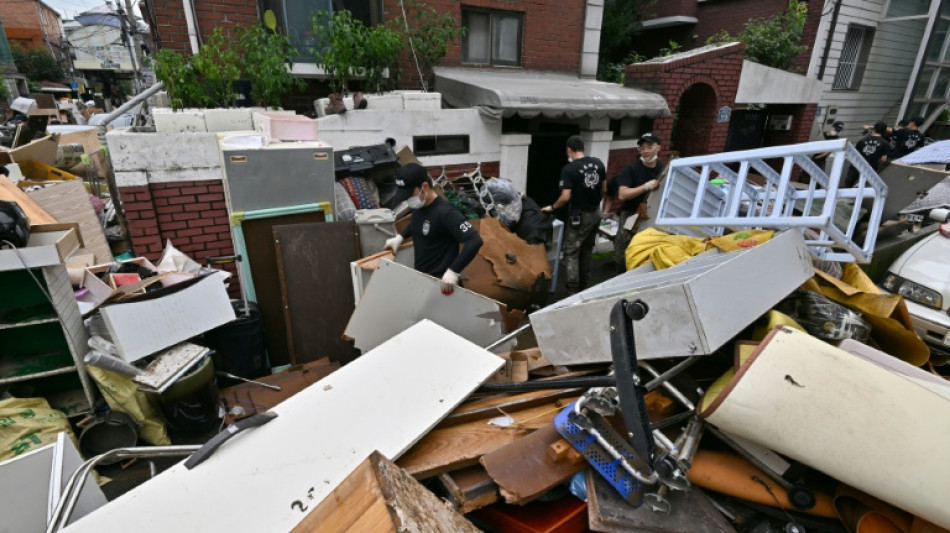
{"points": [[886, 77]]}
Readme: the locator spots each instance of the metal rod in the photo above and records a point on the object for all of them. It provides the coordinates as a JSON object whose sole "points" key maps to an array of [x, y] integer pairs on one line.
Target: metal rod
{"points": [[245, 380], [139, 98], [564, 383], [508, 337], [73, 488], [669, 374], [674, 392]]}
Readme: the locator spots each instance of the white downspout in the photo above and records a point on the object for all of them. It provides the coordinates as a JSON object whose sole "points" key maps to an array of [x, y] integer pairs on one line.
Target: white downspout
{"points": [[192, 27]]}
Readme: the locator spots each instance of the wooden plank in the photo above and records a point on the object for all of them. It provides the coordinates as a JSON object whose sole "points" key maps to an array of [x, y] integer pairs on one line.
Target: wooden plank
{"points": [[384, 400], [313, 269], [452, 448], [489, 407], [68, 201], [468, 489], [11, 193], [262, 258], [357, 501], [526, 468]]}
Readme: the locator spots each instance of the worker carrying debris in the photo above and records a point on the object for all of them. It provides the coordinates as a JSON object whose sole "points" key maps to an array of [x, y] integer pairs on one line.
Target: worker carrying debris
{"points": [[436, 228]]}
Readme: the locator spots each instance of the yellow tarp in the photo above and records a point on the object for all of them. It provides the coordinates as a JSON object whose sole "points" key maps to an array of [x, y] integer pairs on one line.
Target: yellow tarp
{"points": [[664, 250], [891, 328]]}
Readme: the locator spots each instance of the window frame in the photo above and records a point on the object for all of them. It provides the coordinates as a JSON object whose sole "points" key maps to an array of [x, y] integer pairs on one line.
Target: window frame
{"points": [[858, 66], [418, 150], [492, 15]]}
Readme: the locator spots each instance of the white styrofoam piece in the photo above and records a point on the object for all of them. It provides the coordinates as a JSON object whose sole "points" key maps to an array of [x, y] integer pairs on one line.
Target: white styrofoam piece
{"points": [[398, 296], [692, 309], [144, 327], [385, 400], [32, 483]]}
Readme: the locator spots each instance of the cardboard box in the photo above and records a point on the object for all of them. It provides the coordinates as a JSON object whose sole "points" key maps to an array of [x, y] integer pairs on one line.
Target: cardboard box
{"points": [[49, 244], [98, 291], [43, 150]]}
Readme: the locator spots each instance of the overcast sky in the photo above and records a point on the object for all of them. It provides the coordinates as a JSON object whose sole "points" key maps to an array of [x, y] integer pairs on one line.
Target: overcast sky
{"points": [[70, 8]]}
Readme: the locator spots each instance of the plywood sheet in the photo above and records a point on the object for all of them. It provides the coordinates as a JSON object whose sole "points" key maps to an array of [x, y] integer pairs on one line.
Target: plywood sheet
{"points": [[398, 296], [525, 469], [69, 202], [262, 258], [384, 401], [313, 269], [11, 193]]}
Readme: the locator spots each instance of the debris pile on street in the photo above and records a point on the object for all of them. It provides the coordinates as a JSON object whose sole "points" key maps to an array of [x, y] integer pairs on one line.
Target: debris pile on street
{"points": [[743, 374]]}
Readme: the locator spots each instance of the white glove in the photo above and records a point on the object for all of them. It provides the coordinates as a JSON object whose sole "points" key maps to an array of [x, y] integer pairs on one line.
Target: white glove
{"points": [[652, 185], [393, 244], [449, 281]]}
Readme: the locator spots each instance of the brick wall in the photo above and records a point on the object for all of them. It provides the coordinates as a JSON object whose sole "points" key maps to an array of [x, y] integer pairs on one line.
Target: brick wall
{"points": [[171, 30], [19, 14], [620, 159], [719, 69], [551, 40], [729, 15], [192, 214]]}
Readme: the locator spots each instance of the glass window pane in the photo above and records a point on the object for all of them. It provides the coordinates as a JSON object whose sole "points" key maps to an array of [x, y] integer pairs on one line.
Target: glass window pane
{"points": [[297, 19], [908, 8], [937, 41], [921, 91], [943, 81], [507, 37], [477, 37]]}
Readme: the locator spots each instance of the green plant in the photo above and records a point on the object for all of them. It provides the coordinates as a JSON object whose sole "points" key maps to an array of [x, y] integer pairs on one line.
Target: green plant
{"points": [[617, 72], [219, 65], [774, 41], [341, 40], [4, 91], [671, 48], [429, 34], [381, 49], [267, 55], [180, 79], [37, 64]]}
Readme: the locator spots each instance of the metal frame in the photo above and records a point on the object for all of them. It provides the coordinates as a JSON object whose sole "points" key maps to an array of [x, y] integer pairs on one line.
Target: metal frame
{"points": [[694, 206]]}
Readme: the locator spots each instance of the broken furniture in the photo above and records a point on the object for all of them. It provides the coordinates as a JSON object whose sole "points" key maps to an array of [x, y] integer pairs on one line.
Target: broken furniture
{"points": [[385, 400], [32, 485], [398, 296], [312, 267], [41, 331], [829, 206], [839, 412], [378, 496], [688, 312], [248, 399]]}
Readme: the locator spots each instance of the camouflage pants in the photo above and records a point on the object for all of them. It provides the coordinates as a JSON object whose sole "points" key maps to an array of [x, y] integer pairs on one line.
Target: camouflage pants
{"points": [[578, 250], [622, 240]]}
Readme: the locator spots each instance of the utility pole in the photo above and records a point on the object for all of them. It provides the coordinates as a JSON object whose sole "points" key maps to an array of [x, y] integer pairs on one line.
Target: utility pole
{"points": [[128, 36]]}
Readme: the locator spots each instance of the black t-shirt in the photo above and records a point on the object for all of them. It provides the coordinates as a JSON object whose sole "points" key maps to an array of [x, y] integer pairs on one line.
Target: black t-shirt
{"points": [[872, 148], [436, 230], [634, 175], [907, 141], [585, 178]]}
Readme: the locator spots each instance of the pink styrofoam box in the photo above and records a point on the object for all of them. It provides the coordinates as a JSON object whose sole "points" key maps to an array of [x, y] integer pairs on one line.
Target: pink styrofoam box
{"points": [[286, 127]]}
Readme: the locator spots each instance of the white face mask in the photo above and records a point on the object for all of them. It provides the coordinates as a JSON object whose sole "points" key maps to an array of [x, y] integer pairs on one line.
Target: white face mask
{"points": [[649, 159], [415, 202]]}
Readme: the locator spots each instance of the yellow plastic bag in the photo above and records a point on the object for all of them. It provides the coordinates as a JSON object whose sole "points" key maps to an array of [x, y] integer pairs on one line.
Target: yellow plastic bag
{"points": [[29, 423], [662, 249], [122, 394], [741, 240]]}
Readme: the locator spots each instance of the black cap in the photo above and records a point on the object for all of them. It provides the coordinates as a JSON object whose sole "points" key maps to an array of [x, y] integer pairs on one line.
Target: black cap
{"points": [[838, 125], [649, 138], [409, 177]]}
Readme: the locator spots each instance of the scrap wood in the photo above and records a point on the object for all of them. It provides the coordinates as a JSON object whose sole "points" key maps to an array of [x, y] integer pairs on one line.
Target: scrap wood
{"points": [[690, 512], [490, 407], [451, 448], [11, 193], [864, 513], [379, 496], [529, 467], [246, 399], [563, 515], [69, 202], [468, 489]]}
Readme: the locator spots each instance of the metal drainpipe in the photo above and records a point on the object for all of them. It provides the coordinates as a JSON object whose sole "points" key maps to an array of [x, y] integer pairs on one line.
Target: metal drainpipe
{"points": [[191, 24], [831, 33]]}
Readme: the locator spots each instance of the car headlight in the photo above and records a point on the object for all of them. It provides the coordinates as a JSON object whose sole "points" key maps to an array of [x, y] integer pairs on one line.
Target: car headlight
{"points": [[914, 292]]}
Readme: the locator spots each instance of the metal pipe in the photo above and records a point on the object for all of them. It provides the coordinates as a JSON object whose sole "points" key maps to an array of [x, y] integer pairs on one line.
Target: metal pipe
{"points": [[564, 383], [73, 488], [191, 25], [674, 392], [508, 337], [648, 480], [139, 98], [669, 374], [828, 39]]}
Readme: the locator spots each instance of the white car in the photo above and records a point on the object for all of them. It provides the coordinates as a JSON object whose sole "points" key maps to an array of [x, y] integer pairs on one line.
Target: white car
{"points": [[922, 276]]}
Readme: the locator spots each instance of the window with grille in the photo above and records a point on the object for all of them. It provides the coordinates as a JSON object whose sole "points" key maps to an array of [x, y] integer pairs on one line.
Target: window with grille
{"points": [[854, 57], [492, 37]]}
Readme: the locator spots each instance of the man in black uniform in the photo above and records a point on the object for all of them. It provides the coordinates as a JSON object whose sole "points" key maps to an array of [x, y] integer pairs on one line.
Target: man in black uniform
{"points": [[873, 148], [632, 187], [583, 185], [908, 139], [437, 228]]}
